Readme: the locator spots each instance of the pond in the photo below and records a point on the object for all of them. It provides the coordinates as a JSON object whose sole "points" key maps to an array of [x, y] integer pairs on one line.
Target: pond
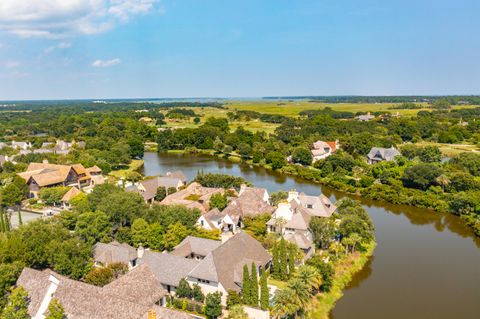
{"points": [[426, 264]]}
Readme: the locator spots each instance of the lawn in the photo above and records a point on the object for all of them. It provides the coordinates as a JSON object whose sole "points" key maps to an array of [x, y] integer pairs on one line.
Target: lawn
{"points": [[293, 108], [134, 165], [451, 149]]}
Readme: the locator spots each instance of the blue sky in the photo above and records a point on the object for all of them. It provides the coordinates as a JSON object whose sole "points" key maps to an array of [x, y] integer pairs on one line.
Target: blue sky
{"points": [[56, 49]]}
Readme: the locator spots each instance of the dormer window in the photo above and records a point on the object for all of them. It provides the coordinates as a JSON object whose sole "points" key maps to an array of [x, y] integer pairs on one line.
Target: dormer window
{"points": [[309, 206]]}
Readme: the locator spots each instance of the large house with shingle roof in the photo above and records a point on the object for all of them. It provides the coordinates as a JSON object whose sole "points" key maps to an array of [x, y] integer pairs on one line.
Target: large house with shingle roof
{"points": [[222, 268], [131, 296], [380, 154], [193, 196], [321, 150], [39, 175], [148, 188], [115, 252], [251, 202], [195, 247], [292, 218]]}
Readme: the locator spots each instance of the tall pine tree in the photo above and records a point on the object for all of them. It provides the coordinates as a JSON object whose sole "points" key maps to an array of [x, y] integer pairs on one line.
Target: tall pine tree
{"points": [[246, 289], [2, 223], [283, 260], [254, 286], [264, 294], [291, 262], [275, 262]]}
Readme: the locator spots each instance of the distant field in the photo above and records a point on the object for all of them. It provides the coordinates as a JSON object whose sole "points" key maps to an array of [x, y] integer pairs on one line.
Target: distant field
{"points": [[452, 149], [294, 107]]}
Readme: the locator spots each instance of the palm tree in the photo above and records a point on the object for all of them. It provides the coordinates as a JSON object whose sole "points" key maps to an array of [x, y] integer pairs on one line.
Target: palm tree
{"points": [[302, 292], [310, 276], [284, 303], [356, 238], [443, 181]]}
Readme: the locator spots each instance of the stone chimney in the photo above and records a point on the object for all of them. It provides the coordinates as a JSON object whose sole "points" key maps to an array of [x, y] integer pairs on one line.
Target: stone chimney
{"points": [[292, 195], [140, 252]]}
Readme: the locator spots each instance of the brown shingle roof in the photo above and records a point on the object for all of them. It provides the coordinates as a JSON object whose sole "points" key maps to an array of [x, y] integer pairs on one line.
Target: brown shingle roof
{"points": [[71, 194], [114, 252], [202, 194]]}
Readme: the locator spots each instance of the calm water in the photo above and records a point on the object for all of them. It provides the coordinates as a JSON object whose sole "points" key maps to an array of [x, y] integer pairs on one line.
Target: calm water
{"points": [[426, 265]]}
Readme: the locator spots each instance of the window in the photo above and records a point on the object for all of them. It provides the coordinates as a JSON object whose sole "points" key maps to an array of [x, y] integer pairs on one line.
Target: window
{"points": [[201, 222], [309, 206], [204, 281]]}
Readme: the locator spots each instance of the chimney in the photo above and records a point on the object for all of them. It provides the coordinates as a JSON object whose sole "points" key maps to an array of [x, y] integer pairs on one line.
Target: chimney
{"points": [[243, 187], [140, 252], [292, 195], [152, 314]]}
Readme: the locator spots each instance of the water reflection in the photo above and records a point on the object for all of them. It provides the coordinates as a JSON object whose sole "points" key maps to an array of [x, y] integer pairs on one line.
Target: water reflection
{"points": [[426, 265]]}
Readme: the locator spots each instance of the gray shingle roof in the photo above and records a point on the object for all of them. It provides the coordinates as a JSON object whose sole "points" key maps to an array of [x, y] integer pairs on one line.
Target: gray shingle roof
{"points": [[222, 263], [195, 245], [168, 269], [383, 154]]}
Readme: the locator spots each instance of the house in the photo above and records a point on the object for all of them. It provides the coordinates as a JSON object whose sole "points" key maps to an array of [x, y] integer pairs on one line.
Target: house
{"points": [[39, 175], [168, 269], [379, 154], [193, 196], [321, 149], [251, 202], [115, 252], [222, 269], [365, 117], [178, 174], [195, 247], [148, 188], [131, 296], [292, 218], [73, 192], [21, 145]]}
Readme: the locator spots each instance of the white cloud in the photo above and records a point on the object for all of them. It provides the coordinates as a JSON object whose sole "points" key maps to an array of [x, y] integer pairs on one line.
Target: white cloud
{"points": [[105, 63], [61, 45], [12, 64], [62, 18]]}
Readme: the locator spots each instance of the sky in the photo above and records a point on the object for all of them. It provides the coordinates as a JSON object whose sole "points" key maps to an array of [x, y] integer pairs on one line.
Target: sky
{"points": [[71, 49]]}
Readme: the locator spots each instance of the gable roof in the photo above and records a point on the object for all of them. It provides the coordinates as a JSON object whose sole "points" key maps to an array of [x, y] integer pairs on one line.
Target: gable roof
{"points": [[80, 300], [195, 245], [168, 269], [152, 184], [114, 252], [221, 264], [178, 174], [380, 153], [73, 191], [321, 205], [201, 194], [46, 174], [249, 203]]}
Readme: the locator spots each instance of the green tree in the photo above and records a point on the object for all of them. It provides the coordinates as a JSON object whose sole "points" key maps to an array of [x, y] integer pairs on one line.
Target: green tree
{"points": [[197, 293], [310, 276], [184, 290], [17, 305], [246, 287], [55, 310], [53, 195], [11, 195], [430, 154], [276, 160], [264, 292], [139, 231], [9, 274], [282, 254], [160, 194], [69, 257], [325, 269], [302, 155], [155, 236], [213, 305], [93, 226], [254, 286], [174, 235], [122, 207], [285, 303], [233, 298], [421, 176], [237, 312], [219, 201], [323, 230]]}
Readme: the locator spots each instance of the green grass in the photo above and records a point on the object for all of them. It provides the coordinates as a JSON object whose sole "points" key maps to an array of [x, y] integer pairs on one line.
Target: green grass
{"points": [[451, 149], [278, 283], [345, 269], [293, 108], [134, 165]]}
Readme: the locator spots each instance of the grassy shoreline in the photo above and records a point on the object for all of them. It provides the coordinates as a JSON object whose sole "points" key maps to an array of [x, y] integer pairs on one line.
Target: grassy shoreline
{"points": [[323, 303], [134, 166]]}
